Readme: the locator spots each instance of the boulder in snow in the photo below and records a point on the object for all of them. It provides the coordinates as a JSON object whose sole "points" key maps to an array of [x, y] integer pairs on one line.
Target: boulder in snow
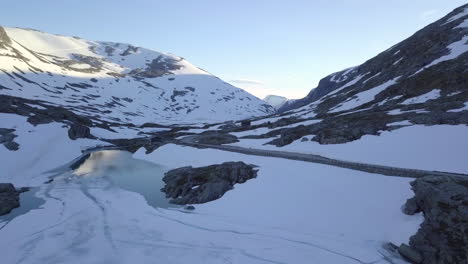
{"points": [[188, 185]]}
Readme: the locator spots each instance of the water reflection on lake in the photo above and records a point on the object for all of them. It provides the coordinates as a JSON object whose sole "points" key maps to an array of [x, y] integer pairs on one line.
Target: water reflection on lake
{"points": [[121, 169]]}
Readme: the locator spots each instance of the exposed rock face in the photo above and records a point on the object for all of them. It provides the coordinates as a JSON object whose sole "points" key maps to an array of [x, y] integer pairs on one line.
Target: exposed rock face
{"points": [[79, 162], [157, 68], [443, 236], [36, 116], [176, 93], [95, 62], [7, 139], [4, 39], [410, 254], [130, 50], [78, 131], [188, 185], [9, 197]]}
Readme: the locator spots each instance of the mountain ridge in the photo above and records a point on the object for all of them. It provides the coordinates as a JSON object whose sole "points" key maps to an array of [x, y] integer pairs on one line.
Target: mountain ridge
{"points": [[117, 82]]}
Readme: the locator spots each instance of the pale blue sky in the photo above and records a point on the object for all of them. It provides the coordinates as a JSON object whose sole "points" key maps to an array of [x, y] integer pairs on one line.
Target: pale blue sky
{"points": [[268, 46]]}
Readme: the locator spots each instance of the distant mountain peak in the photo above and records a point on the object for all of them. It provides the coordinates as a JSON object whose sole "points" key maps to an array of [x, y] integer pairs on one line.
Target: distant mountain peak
{"points": [[275, 100]]}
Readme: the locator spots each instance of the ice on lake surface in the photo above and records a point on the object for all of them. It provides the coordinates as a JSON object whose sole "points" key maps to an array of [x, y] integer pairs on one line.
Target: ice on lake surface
{"points": [[119, 168], [112, 168]]}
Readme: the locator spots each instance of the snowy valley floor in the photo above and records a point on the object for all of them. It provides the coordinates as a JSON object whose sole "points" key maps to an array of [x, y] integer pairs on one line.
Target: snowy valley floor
{"points": [[293, 212]]}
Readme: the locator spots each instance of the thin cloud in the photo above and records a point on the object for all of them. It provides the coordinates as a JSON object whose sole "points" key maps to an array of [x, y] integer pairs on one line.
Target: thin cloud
{"points": [[255, 87], [246, 81]]}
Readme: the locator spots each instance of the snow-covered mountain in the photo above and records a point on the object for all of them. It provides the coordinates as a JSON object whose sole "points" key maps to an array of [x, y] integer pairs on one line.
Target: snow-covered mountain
{"points": [[63, 98], [116, 82], [275, 100]]}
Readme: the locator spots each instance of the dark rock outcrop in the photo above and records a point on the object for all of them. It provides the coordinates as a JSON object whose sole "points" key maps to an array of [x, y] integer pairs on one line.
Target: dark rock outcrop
{"points": [[7, 139], [188, 185], [93, 61], [75, 165], [48, 113], [130, 50], [443, 236], [176, 93], [158, 67], [78, 131], [189, 207], [215, 138], [410, 254], [9, 197], [4, 39]]}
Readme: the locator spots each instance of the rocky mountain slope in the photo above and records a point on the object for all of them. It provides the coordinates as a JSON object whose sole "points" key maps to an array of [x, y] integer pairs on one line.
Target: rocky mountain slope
{"points": [[115, 82], [419, 81], [432, 60]]}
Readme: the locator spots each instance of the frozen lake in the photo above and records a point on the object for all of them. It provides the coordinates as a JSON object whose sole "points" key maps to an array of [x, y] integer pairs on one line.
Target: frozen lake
{"points": [[110, 210], [119, 168]]}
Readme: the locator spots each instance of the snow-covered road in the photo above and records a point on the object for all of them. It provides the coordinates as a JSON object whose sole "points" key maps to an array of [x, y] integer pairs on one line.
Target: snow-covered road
{"points": [[314, 158]]}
